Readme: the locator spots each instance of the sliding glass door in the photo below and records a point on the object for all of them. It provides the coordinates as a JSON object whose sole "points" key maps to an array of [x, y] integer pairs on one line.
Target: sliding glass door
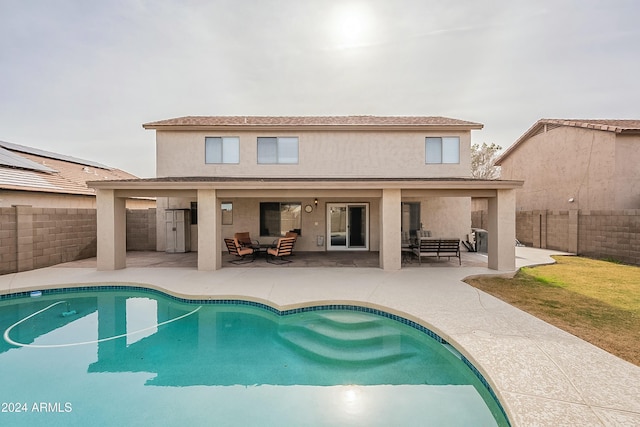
{"points": [[348, 226]]}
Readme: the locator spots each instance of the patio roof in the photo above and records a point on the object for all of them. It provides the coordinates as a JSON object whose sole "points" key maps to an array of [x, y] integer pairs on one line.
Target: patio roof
{"points": [[305, 183]]}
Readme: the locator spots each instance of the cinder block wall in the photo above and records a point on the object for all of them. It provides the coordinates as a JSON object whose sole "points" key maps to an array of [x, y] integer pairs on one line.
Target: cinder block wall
{"points": [[479, 219], [558, 230], [610, 234], [8, 242], [61, 235], [141, 229], [599, 234], [40, 237], [524, 227]]}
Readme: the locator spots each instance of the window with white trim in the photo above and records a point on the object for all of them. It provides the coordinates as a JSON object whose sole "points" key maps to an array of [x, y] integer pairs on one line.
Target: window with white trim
{"points": [[444, 149], [225, 149], [278, 150]]}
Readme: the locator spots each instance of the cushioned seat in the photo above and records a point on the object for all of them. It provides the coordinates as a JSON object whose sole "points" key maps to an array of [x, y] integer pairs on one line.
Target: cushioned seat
{"points": [[234, 248], [284, 247]]}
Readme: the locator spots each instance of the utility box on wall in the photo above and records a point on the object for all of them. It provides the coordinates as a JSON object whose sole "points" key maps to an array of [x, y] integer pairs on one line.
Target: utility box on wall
{"points": [[178, 226]]}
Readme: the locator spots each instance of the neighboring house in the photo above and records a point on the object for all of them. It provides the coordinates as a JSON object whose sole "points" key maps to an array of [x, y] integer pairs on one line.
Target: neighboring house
{"points": [[581, 189], [38, 178], [345, 183], [47, 211], [576, 164]]}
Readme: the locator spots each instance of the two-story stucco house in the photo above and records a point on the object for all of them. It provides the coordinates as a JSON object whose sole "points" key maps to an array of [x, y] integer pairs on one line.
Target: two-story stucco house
{"points": [[344, 183]]}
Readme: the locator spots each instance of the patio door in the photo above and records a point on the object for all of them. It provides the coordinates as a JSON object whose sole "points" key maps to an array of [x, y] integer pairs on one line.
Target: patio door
{"points": [[348, 226]]}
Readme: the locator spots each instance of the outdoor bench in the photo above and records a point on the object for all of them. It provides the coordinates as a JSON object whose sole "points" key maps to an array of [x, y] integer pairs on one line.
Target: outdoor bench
{"points": [[428, 246]]}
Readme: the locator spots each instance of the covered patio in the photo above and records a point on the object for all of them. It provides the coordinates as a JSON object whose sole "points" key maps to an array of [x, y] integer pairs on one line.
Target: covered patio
{"points": [[385, 197]]}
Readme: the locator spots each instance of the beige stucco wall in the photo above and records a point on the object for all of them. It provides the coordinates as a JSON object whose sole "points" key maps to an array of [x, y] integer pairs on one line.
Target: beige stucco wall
{"points": [[560, 164], [46, 200], [598, 169], [70, 201], [447, 217], [321, 154]]}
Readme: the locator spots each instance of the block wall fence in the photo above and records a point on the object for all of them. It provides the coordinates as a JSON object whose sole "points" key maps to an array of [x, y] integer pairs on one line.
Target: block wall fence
{"points": [[596, 234], [33, 238]]}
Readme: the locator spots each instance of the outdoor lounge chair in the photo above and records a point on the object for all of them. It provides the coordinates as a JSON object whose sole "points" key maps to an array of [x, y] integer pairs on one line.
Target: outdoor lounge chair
{"points": [[244, 239], [234, 248], [283, 248], [295, 237], [288, 234]]}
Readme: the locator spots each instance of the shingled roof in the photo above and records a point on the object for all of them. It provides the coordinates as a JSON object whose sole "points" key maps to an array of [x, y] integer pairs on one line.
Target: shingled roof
{"points": [[619, 126], [311, 122], [31, 169]]}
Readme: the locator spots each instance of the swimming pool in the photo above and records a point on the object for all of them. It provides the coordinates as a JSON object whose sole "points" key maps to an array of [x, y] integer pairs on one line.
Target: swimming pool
{"points": [[123, 356]]}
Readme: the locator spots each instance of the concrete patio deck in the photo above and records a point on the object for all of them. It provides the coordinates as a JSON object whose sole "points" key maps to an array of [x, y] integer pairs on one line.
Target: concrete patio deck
{"points": [[542, 375]]}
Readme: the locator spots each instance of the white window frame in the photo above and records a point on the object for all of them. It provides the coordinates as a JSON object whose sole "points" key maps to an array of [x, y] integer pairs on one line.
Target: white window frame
{"points": [[279, 153], [227, 147], [442, 150]]}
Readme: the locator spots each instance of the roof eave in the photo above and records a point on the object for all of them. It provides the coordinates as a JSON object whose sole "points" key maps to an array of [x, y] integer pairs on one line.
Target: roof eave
{"points": [[308, 127], [530, 132], [309, 183]]}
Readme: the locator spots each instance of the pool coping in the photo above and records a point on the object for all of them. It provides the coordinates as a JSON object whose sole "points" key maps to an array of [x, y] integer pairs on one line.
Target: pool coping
{"points": [[540, 374]]}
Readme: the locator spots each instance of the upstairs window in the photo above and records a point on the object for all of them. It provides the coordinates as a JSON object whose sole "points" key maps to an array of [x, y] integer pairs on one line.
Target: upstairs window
{"points": [[442, 150], [224, 149], [278, 150]]}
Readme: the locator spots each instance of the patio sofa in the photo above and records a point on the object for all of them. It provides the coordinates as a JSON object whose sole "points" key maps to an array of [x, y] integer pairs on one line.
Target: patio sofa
{"points": [[434, 247]]}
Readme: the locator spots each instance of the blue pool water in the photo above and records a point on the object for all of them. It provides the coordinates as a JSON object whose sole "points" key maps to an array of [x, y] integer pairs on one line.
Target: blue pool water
{"points": [[134, 357]]}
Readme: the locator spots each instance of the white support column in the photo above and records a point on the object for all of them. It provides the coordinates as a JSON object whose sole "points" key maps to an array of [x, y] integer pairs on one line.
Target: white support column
{"points": [[502, 231], [390, 226], [209, 247], [111, 231]]}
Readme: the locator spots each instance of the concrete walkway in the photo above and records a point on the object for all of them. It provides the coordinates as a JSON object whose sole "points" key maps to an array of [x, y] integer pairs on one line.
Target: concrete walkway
{"points": [[542, 375]]}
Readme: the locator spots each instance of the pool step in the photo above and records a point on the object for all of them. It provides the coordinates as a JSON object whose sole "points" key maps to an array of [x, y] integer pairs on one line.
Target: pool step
{"points": [[345, 338]]}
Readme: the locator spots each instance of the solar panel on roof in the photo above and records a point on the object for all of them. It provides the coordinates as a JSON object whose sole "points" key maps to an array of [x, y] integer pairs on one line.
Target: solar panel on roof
{"points": [[51, 155], [13, 160], [13, 178]]}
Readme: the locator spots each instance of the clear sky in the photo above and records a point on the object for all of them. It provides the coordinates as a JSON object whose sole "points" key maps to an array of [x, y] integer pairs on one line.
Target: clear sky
{"points": [[80, 77]]}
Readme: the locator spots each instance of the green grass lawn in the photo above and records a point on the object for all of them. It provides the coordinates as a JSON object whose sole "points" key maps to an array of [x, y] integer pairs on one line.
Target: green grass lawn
{"points": [[598, 301]]}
